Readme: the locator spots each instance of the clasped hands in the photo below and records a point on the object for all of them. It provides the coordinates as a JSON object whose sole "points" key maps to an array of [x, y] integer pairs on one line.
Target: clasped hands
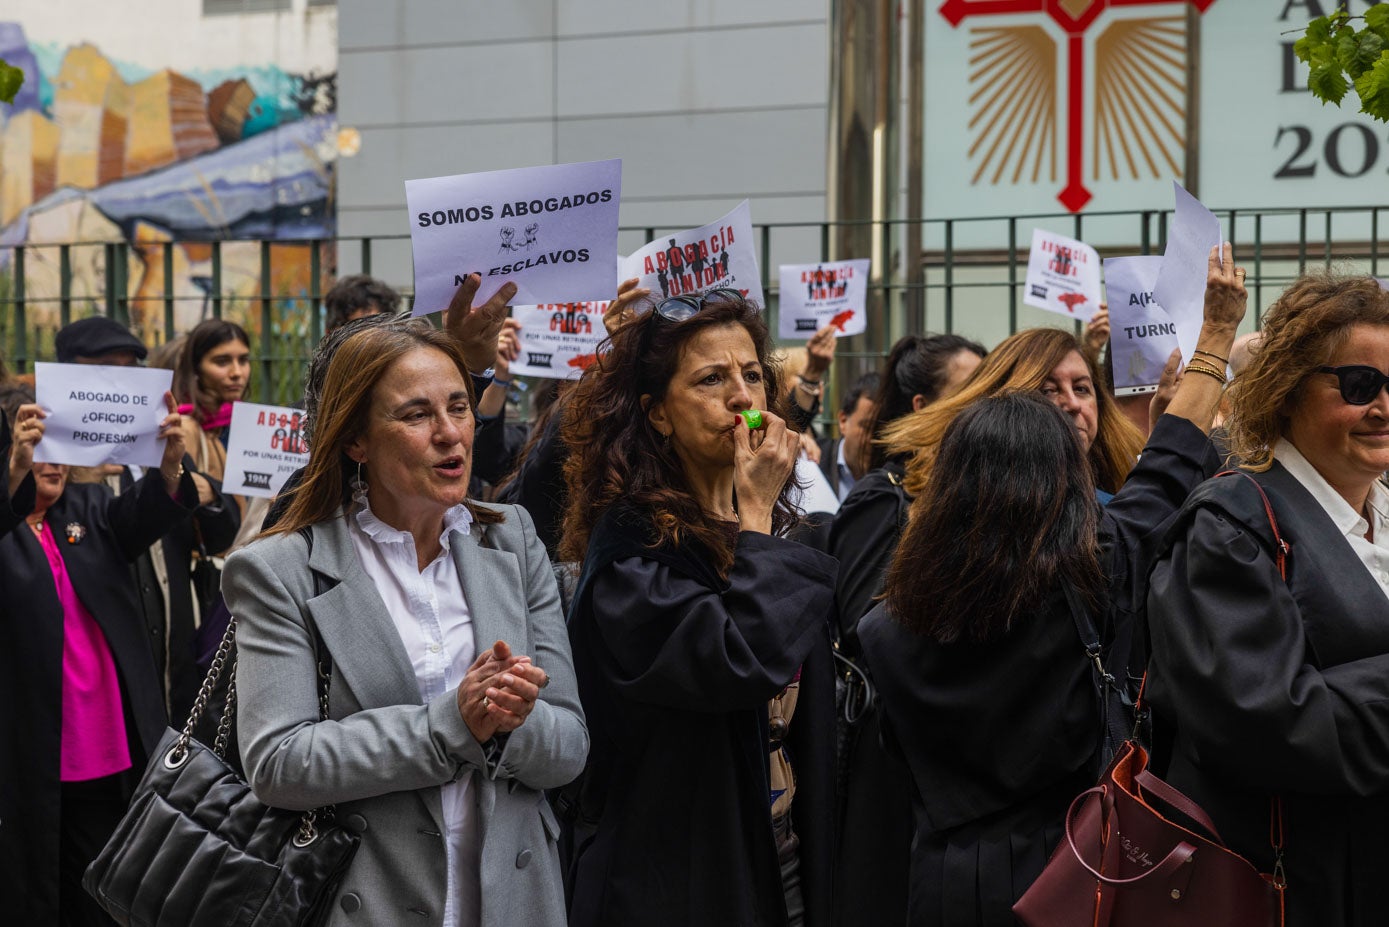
{"points": [[499, 692]]}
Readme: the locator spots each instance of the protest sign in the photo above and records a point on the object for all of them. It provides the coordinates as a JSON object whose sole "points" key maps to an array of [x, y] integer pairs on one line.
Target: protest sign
{"points": [[716, 255], [558, 340], [99, 415], [264, 446], [1181, 282], [1141, 334], [828, 293], [550, 230], [1063, 276]]}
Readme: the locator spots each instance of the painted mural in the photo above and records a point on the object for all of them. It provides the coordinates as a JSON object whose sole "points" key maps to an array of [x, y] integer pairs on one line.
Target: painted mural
{"points": [[100, 150]]}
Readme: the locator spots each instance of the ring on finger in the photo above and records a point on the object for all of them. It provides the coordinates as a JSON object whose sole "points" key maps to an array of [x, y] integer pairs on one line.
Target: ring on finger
{"points": [[486, 703], [544, 682]]}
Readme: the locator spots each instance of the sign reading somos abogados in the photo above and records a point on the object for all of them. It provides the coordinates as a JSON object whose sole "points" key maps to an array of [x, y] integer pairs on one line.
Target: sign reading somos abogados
{"points": [[264, 446], [551, 230], [99, 414]]}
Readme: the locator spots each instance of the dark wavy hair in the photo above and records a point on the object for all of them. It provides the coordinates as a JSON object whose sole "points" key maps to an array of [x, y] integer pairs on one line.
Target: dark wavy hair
{"points": [[204, 338], [351, 294], [615, 455], [1009, 513], [917, 365]]}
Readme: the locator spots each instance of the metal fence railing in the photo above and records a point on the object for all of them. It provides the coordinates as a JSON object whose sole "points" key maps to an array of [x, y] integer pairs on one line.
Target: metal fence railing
{"points": [[967, 279]]}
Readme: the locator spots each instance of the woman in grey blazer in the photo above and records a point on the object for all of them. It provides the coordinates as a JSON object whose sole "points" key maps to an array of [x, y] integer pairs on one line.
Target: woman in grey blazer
{"points": [[452, 703]]}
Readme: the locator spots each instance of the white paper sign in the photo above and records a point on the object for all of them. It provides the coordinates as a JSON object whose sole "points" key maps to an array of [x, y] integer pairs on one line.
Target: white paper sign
{"points": [[558, 340], [1141, 334], [818, 495], [829, 293], [99, 415], [550, 230], [716, 255], [1063, 276], [265, 445], [1181, 283]]}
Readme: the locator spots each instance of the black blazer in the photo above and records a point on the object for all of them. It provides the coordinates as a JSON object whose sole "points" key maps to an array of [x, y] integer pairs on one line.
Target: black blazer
{"points": [[1278, 689], [676, 666], [118, 529]]}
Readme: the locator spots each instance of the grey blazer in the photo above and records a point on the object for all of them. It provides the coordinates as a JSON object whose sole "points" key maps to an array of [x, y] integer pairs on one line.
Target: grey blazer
{"points": [[384, 754]]}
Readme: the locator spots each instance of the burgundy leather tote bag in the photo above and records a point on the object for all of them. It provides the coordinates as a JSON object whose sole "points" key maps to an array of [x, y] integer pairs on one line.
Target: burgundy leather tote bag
{"points": [[1124, 863]]}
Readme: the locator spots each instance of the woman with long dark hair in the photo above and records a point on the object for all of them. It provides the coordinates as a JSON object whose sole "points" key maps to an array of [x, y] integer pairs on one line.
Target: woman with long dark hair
{"points": [[699, 632], [874, 830], [984, 681], [214, 371]]}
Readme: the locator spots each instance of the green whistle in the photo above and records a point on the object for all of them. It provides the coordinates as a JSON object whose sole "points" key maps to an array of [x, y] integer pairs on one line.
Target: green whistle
{"points": [[753, 417]]}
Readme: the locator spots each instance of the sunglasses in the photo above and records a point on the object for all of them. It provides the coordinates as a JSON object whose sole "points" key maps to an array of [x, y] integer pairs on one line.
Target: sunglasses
{"points": [[1360, 384], [680, 308]]}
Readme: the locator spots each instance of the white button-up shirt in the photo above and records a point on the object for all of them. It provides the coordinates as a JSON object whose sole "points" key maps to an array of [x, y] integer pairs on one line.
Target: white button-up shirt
{"points": [[434, 624], [846, 476], [1374, 554]]}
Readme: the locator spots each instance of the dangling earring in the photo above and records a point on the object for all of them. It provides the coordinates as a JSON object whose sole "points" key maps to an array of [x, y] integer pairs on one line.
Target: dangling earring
{"points": [[359, 485]]}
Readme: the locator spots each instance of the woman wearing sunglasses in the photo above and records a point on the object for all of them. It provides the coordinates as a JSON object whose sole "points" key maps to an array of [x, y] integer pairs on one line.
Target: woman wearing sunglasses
{"points": [[699, 633], [1278, 690]]}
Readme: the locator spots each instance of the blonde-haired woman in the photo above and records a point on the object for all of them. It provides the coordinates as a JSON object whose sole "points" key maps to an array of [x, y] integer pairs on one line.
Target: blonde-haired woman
{"points": [[452, 701], [1049, 361], [1278, 688]]}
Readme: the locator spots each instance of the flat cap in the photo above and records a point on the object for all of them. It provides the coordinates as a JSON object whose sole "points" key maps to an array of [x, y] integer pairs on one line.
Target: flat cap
{"points": [[94, 337]]}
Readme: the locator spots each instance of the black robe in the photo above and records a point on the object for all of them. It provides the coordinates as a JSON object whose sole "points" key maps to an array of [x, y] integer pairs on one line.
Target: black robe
{"points": [[875, 825], [675, 668], [1278, 689], [1000, 737], [118, 529], [173, 637], [539, 484], [863, 539]]}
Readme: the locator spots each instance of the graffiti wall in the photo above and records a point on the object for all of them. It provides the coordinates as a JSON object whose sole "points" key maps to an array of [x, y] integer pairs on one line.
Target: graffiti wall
{"points": [[140, 145]]}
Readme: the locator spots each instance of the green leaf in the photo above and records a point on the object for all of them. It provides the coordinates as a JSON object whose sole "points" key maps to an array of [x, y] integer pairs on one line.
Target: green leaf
{"points": [[1358, 53], [1373, 88], [1318, 34], [1327, 83], [1377, 20], [11, 79]]}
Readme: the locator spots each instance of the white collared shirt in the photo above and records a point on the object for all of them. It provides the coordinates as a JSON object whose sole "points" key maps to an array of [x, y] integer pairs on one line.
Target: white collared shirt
{"points": [[1375, 555], [432, 618], [846, 476]]}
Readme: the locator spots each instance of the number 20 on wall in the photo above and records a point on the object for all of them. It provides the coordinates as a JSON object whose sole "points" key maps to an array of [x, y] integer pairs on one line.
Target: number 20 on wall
{"points": [[1350, 150]]}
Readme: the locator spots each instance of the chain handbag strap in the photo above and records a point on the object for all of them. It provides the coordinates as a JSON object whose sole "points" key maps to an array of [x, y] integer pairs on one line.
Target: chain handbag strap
{"points": [[178, 754]]}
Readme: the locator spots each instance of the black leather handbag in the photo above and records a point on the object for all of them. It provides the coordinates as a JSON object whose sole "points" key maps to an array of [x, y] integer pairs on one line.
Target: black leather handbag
{"points": [[197, 849]]}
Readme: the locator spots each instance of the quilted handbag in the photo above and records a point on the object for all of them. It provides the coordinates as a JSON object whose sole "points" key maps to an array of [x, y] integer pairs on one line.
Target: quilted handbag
{"points": [[197, 849]]}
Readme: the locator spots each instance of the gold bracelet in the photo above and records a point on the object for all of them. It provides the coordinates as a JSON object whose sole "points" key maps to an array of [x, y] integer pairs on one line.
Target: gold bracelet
{"points": [[178, 477], [1207, 368], [1223, 360], [1208, 371]]}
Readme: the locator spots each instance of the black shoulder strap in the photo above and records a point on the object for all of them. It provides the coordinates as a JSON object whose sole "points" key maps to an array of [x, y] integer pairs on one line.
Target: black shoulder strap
{"points": [[1116, 721]]}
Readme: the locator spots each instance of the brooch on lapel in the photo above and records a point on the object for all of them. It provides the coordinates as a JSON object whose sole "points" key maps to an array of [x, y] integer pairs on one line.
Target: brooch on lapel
{"points": [[75, 533]]}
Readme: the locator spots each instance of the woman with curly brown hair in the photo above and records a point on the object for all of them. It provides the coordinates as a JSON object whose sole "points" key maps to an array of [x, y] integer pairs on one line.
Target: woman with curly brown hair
{"points": [[699, 633], [1278, 685]]}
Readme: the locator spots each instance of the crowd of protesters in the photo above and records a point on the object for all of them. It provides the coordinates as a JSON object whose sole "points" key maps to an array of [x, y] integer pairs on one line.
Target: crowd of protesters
{"points": [[599, 668]]}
